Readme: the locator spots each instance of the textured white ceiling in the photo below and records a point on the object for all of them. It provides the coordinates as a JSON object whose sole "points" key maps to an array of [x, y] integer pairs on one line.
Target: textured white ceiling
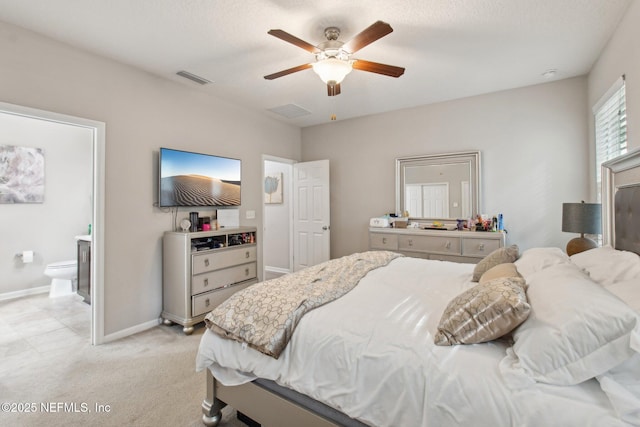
{"points": [[450, 48]]}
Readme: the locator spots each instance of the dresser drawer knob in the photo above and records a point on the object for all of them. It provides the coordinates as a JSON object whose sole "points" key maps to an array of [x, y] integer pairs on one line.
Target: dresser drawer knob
{"points": [[246, 271], [447, 245], [410, 242], [384, 240], [247, 254], [481, 246], [206, 262], [207, 302], [206, 282]]}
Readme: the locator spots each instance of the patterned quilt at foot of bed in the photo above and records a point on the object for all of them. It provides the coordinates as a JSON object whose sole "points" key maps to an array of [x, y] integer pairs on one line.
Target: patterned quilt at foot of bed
{"points": [[265, 315]]}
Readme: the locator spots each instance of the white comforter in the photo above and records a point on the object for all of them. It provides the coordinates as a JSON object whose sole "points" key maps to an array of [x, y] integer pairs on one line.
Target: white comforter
{"points": [[370, 354]]}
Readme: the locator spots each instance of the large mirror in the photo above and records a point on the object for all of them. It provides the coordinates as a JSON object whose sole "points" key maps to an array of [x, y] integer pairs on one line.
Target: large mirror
{"points": [[442, 187]]}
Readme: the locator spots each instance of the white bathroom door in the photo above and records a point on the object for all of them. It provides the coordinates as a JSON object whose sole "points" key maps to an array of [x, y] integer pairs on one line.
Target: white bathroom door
{"points": [[413, 200], [311, 214], [435, 200]]}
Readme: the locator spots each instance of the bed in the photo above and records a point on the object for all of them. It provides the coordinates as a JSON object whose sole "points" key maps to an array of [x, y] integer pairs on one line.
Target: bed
{"points": [[570, 356]]}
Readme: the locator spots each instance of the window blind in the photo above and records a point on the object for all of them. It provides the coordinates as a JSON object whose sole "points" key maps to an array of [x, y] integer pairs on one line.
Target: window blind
{"points": [[610, 114]]}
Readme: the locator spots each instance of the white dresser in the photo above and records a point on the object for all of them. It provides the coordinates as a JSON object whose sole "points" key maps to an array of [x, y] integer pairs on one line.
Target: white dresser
{"points": [[200, 270], [445, 245]]}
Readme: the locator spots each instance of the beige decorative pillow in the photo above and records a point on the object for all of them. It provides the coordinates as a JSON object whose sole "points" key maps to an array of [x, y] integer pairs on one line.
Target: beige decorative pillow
{"points": [[484, 313], [507, 269], [499, 256]]}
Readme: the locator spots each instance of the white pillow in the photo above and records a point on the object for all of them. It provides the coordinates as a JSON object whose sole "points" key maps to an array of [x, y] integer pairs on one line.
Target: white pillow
{"points": [[607, 265], [628, 291], [537, 259], [576, 330]]}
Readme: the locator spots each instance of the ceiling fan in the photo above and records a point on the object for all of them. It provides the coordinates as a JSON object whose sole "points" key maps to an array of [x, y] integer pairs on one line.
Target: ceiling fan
{"points": [[333, 57]]}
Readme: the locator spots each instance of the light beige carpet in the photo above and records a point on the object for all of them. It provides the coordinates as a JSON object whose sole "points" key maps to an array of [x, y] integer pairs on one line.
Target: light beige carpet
{"points": [[148, 379]]}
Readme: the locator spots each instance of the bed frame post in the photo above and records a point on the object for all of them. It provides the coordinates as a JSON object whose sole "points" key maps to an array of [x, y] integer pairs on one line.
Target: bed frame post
{"points": [[211, 407], [619, 172]]}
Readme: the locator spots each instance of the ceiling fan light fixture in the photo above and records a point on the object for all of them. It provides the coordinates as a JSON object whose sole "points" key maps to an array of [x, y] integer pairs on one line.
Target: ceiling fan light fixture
{"points": [[333, 57], [332, 70]]}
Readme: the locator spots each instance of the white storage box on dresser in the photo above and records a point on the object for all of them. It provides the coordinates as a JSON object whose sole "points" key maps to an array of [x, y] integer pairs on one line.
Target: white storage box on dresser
{"points": [[445, 245], [202, 269]]}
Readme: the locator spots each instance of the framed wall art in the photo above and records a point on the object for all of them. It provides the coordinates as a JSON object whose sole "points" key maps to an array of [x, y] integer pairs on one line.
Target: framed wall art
{"points": [[273, 188], [21, 174]]}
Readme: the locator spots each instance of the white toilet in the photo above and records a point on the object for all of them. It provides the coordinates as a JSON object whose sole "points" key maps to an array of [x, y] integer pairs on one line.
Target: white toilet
{"points": [[64, 276]]}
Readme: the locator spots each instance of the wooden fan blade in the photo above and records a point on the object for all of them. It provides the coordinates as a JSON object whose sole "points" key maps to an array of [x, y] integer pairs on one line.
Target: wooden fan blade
{"points": [[283, 35], [370, 34], [287, 71], [333, 90], [375, 67]]}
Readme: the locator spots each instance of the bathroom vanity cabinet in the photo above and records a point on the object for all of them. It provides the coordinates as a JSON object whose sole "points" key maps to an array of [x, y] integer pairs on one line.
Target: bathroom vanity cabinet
{"points": [[202, 269], [84, 270]]}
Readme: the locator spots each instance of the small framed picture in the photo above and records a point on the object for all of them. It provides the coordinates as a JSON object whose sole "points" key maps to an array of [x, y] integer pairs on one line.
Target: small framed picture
{"points": [[273, 188]]}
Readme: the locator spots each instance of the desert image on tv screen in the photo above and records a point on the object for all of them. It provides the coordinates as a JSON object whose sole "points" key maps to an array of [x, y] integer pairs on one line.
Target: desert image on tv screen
{"points": [[192, 179]]}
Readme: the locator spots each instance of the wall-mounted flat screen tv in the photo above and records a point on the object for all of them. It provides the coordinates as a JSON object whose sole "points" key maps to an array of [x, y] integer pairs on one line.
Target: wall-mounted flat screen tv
{"points": [[196, 179]]}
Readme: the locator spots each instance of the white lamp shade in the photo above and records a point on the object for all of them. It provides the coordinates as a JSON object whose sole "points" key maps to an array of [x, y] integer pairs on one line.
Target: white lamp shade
{"points": [[332, 70]]}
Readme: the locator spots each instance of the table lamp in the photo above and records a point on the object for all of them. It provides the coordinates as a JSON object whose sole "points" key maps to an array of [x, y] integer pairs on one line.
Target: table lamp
{"points": [[583, 218]]}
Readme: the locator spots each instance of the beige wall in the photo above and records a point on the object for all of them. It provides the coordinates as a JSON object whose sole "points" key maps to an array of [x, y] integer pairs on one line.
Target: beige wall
{"points": [[533, 143], [142, 113]]}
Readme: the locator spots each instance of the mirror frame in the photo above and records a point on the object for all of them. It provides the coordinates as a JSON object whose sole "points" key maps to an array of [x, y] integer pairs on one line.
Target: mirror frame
{"points": [[471, 158]]}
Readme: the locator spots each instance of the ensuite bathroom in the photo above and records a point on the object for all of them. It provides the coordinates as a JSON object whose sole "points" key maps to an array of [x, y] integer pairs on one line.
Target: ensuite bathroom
{"points": [[46, 205]]}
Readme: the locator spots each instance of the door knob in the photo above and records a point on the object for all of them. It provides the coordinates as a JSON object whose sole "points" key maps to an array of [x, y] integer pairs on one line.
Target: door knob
{"points": [[325, 228]]}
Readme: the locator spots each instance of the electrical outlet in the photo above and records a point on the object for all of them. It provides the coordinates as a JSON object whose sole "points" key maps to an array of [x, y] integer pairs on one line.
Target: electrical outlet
{"points": [[251, 214]]}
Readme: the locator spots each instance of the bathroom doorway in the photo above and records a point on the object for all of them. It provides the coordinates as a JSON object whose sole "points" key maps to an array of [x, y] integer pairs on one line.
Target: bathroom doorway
{"points": [[277, 215], [35, 128]]}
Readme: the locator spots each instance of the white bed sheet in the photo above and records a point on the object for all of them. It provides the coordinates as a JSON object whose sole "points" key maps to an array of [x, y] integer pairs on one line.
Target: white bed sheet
{"points": [[386, 326]]}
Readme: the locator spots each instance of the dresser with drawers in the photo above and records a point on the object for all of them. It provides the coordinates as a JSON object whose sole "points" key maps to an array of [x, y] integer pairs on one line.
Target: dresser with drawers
{"points": [[445, 245], [202, 269]]}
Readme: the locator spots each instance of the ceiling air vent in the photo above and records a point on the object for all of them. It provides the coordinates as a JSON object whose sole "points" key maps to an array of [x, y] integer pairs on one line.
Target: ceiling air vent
{"points": [[193, 77], [290, 111]]}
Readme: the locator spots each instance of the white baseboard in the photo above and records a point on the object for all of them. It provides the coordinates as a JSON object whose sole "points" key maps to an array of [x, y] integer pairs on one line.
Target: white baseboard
{"points": [[277, 270], [25, 292], [130, 331], [273, 272]]}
